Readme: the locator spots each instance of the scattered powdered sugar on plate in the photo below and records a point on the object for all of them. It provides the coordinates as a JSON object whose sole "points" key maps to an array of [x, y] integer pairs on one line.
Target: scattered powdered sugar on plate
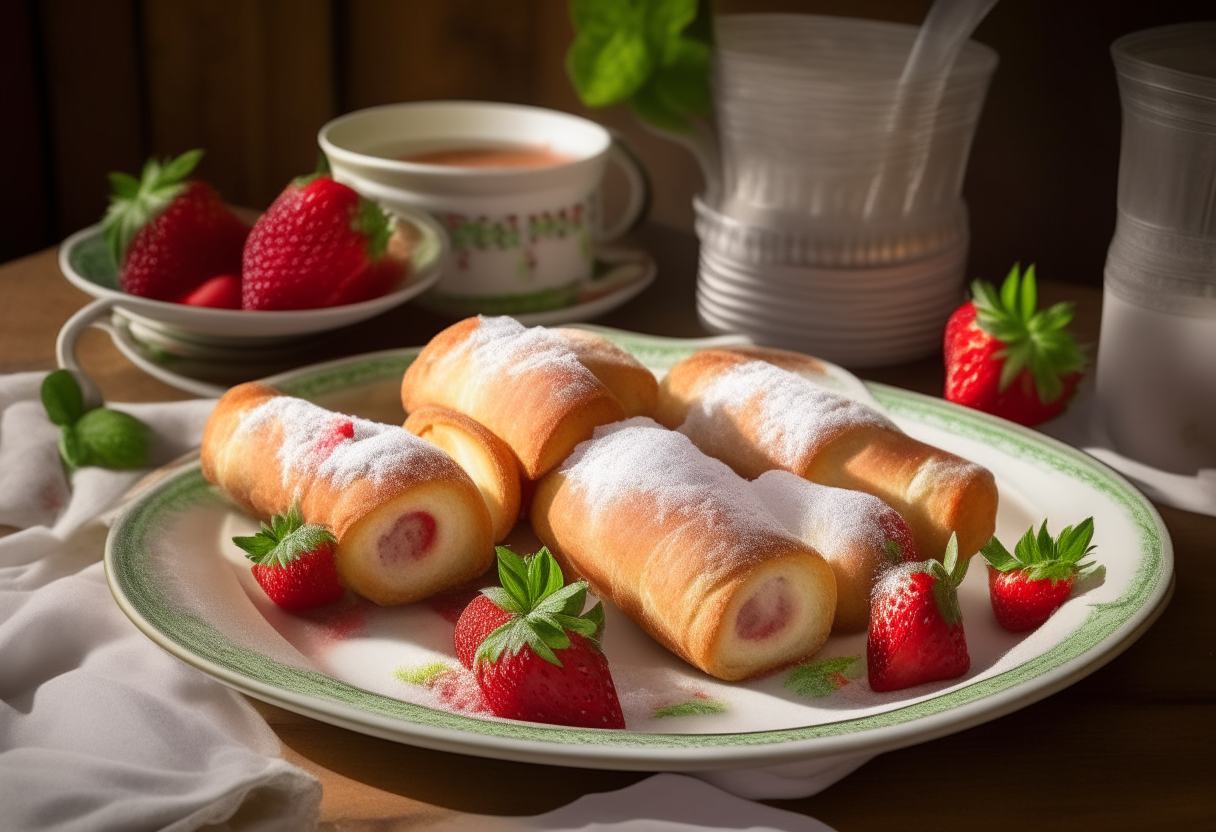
{"points": [[792, 414], [337, 448], [639, 456], [813, 512], [503, 348]]}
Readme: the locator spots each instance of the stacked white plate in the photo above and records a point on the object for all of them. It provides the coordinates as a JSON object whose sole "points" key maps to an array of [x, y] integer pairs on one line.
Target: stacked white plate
{"points": [[863, 315]]}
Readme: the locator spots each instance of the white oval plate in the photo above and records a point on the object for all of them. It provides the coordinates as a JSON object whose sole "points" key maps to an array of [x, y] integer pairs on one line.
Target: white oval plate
{"points": [[87, 264], [174, 572]]}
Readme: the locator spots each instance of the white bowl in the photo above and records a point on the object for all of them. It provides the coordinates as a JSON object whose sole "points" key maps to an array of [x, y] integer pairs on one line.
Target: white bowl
{"points": [[87, 264]]}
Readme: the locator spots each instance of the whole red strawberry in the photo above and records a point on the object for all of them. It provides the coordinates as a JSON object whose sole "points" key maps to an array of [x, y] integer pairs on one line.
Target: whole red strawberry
{"points": [[168, 234], [320, 244], [916, 627], [294, 561], [1026, 587], [1005, 357], [537, 658]]}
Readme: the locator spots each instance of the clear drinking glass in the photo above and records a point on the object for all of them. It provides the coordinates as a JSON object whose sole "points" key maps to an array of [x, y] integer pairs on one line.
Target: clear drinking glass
{"points": [[1156, 374], [839, 226]]}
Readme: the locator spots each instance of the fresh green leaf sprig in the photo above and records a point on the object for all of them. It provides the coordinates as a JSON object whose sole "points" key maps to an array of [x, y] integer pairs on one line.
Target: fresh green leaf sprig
{"points": [[542, 608], [102, 437], [653, 54], [1042, 557], [1033, 339]]}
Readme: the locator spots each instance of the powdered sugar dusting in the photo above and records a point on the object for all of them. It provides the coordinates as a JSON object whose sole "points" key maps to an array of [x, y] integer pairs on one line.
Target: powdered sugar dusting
{"points": [[638, 456], [317, 443], [793, 415], [939, 472], [825, 517], [504, 349]]}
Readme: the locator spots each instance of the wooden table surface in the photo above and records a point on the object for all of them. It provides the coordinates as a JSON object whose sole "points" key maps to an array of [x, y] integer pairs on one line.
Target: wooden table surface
{"points": [[1132, 746]]}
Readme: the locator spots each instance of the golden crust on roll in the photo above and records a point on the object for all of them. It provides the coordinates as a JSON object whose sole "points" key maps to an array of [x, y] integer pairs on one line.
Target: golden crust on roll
{"points": [[683, 547], [527, 386], [482, 455], [756, 416], [408, 520], [626, 378], [858, 534]]}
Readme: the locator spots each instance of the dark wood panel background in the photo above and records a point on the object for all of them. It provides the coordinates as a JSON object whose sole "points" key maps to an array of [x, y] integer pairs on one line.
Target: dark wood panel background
{"points": [[92, 86]]}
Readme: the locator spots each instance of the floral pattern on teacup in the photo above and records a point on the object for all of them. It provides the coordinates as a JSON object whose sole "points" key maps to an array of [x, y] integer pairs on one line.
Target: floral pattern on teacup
{"points": [[480, 233]]}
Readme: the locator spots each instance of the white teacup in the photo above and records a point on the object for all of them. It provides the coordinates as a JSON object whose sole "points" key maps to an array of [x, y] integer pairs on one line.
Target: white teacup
{"points": [[517, 188]]}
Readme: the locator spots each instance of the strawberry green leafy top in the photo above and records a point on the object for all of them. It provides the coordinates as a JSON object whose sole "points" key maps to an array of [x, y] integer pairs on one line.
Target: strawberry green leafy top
{"points": [[136, 201], [1033, 339], [285, 539], [1043, 558], [542, 608], [949, 572]]}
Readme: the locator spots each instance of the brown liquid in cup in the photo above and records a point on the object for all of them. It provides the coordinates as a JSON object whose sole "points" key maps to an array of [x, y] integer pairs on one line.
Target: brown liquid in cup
{"points": [[514, 156]]}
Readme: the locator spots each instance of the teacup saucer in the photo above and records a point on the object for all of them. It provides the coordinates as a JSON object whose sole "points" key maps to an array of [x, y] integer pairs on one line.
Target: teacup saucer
{"points": [[201, 368], [619, 274]]}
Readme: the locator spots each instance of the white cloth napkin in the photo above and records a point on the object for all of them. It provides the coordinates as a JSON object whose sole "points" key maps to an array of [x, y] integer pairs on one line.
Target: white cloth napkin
{"points": [[99, 728], [662, 803]]}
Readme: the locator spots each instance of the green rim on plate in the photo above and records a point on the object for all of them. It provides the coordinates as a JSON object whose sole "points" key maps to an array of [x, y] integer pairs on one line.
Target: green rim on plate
{"points": [[129, 570]]}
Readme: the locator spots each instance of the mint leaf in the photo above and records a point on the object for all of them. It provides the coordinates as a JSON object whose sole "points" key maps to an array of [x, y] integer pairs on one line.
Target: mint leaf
{"points": [[610, 58], [823, 677], [424, 675], [655, 54], [693, 707], [113, 439], [71, 450], [62, 398]]}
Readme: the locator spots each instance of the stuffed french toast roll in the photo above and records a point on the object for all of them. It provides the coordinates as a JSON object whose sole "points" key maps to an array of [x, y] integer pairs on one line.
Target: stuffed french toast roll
{"points": [[528, 386], [858, 534], [408, 520], [483, 456], [685, 548], [745, 409]]}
